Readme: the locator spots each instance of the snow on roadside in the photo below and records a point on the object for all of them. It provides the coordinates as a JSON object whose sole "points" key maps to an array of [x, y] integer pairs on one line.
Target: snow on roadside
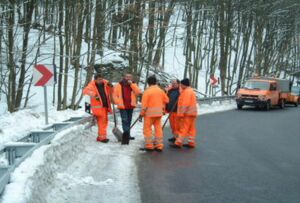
{"points": [[16, 125], [39, 168], [100, 173], [217, 107], [75, 168]]}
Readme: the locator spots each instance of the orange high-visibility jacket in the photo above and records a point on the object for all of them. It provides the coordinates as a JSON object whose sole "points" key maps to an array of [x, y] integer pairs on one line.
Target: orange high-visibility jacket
{"points": [[96, 105], [154, 101], [187, 103], [118, 96]]}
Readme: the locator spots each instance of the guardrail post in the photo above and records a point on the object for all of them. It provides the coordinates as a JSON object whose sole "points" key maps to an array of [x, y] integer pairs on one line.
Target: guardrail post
{"points": [[16, 150], [4, 178], [37, 136], [10, 155]]}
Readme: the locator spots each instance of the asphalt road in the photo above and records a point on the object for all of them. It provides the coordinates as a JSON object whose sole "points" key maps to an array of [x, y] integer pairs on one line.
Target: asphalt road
{"points": [[242, 156]]}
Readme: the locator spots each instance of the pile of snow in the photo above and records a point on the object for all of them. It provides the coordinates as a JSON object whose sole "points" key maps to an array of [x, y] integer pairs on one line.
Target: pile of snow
{"points": [[76, 168], [37, 170], [16, 125], [217, 107]]}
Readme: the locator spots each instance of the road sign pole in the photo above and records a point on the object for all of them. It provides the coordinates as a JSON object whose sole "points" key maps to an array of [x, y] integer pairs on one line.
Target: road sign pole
{"points": [[43, 76], [46, 104]]}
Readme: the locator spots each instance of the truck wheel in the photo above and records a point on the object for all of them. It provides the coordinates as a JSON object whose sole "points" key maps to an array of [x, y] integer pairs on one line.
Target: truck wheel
{"points": [[282, 104], [296, 104], [239, 106], [268, 106]]}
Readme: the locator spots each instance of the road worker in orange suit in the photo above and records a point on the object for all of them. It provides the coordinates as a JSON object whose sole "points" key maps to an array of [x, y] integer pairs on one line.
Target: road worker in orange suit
{"points": [[125, 96], [187, 112], [173, 94], [99, 91], [154, 101]]}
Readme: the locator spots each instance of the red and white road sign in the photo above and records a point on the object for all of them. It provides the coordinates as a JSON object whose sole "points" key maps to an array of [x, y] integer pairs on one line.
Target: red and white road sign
{"points": [[213, 81], [43, 76]]}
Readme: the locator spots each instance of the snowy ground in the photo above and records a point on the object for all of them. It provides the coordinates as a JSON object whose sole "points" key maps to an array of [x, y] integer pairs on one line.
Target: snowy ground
{"points": [[75, 168], [16, 125]]}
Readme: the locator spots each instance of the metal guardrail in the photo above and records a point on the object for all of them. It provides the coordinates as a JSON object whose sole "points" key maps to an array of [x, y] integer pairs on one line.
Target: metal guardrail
{"points": [[17, 152], [205, 100], [209, 100]]}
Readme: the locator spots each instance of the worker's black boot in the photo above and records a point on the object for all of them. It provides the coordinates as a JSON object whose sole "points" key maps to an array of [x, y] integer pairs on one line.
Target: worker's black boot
{"points": [[105, 141], [173, 139], [146, 149], [130, 137], [125, 138]]}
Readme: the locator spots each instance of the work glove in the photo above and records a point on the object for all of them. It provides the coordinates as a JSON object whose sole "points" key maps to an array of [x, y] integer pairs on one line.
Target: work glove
{"points": [[97, 98], [109, 84]]}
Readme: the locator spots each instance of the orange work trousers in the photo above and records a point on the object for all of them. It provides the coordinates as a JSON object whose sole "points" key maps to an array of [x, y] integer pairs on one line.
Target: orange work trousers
{"points": [[102, 121], [151, 141], [174, 123], [187, 131]]}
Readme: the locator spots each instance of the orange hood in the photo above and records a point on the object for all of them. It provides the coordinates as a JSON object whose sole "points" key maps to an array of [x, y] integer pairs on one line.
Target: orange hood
{"points": [[252, 92]]}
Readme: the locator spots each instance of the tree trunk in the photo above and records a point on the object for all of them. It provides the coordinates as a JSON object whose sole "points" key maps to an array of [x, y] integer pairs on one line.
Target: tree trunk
{"points": [[26, 30], [61, 56], [11, 62]]}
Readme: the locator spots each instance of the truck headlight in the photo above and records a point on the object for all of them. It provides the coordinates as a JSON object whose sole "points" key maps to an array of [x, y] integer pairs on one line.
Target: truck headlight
{"points": [[262, 97]]}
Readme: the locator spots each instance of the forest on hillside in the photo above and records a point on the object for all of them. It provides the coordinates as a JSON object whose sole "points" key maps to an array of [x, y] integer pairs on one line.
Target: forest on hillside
{"points": [[232, 39]]}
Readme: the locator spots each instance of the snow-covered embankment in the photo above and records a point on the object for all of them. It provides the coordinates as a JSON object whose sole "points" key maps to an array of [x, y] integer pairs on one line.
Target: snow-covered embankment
{"points": [[75, 168]]}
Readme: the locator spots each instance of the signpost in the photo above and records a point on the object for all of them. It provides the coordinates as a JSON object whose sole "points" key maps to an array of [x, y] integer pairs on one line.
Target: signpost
{"points": [[43, 76], [214, 83]]}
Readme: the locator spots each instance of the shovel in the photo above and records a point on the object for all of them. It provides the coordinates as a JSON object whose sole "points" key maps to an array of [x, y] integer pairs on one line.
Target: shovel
{"points": [[172, 109], [116, 131], [134, 122], [138, 118]]}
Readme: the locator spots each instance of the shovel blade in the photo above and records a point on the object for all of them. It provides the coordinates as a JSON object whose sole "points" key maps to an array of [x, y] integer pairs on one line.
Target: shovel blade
{"points": [[117, 133]]}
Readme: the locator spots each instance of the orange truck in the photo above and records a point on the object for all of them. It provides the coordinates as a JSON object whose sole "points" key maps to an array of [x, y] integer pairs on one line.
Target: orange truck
{"points": [[264, 93], [294, 97]]}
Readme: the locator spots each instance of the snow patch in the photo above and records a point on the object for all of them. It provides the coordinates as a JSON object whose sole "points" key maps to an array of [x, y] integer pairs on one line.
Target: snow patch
{"points": [[15, 126], [39, 168], [216, 107], [70, 180]]}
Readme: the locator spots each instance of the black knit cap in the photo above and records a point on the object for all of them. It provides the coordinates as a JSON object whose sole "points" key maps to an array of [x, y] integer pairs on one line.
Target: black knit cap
{"points": [[185, 82]]}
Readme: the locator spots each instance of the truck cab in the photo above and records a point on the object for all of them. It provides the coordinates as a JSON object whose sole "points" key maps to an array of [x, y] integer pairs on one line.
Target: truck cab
{"points": [[263, 93]]}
